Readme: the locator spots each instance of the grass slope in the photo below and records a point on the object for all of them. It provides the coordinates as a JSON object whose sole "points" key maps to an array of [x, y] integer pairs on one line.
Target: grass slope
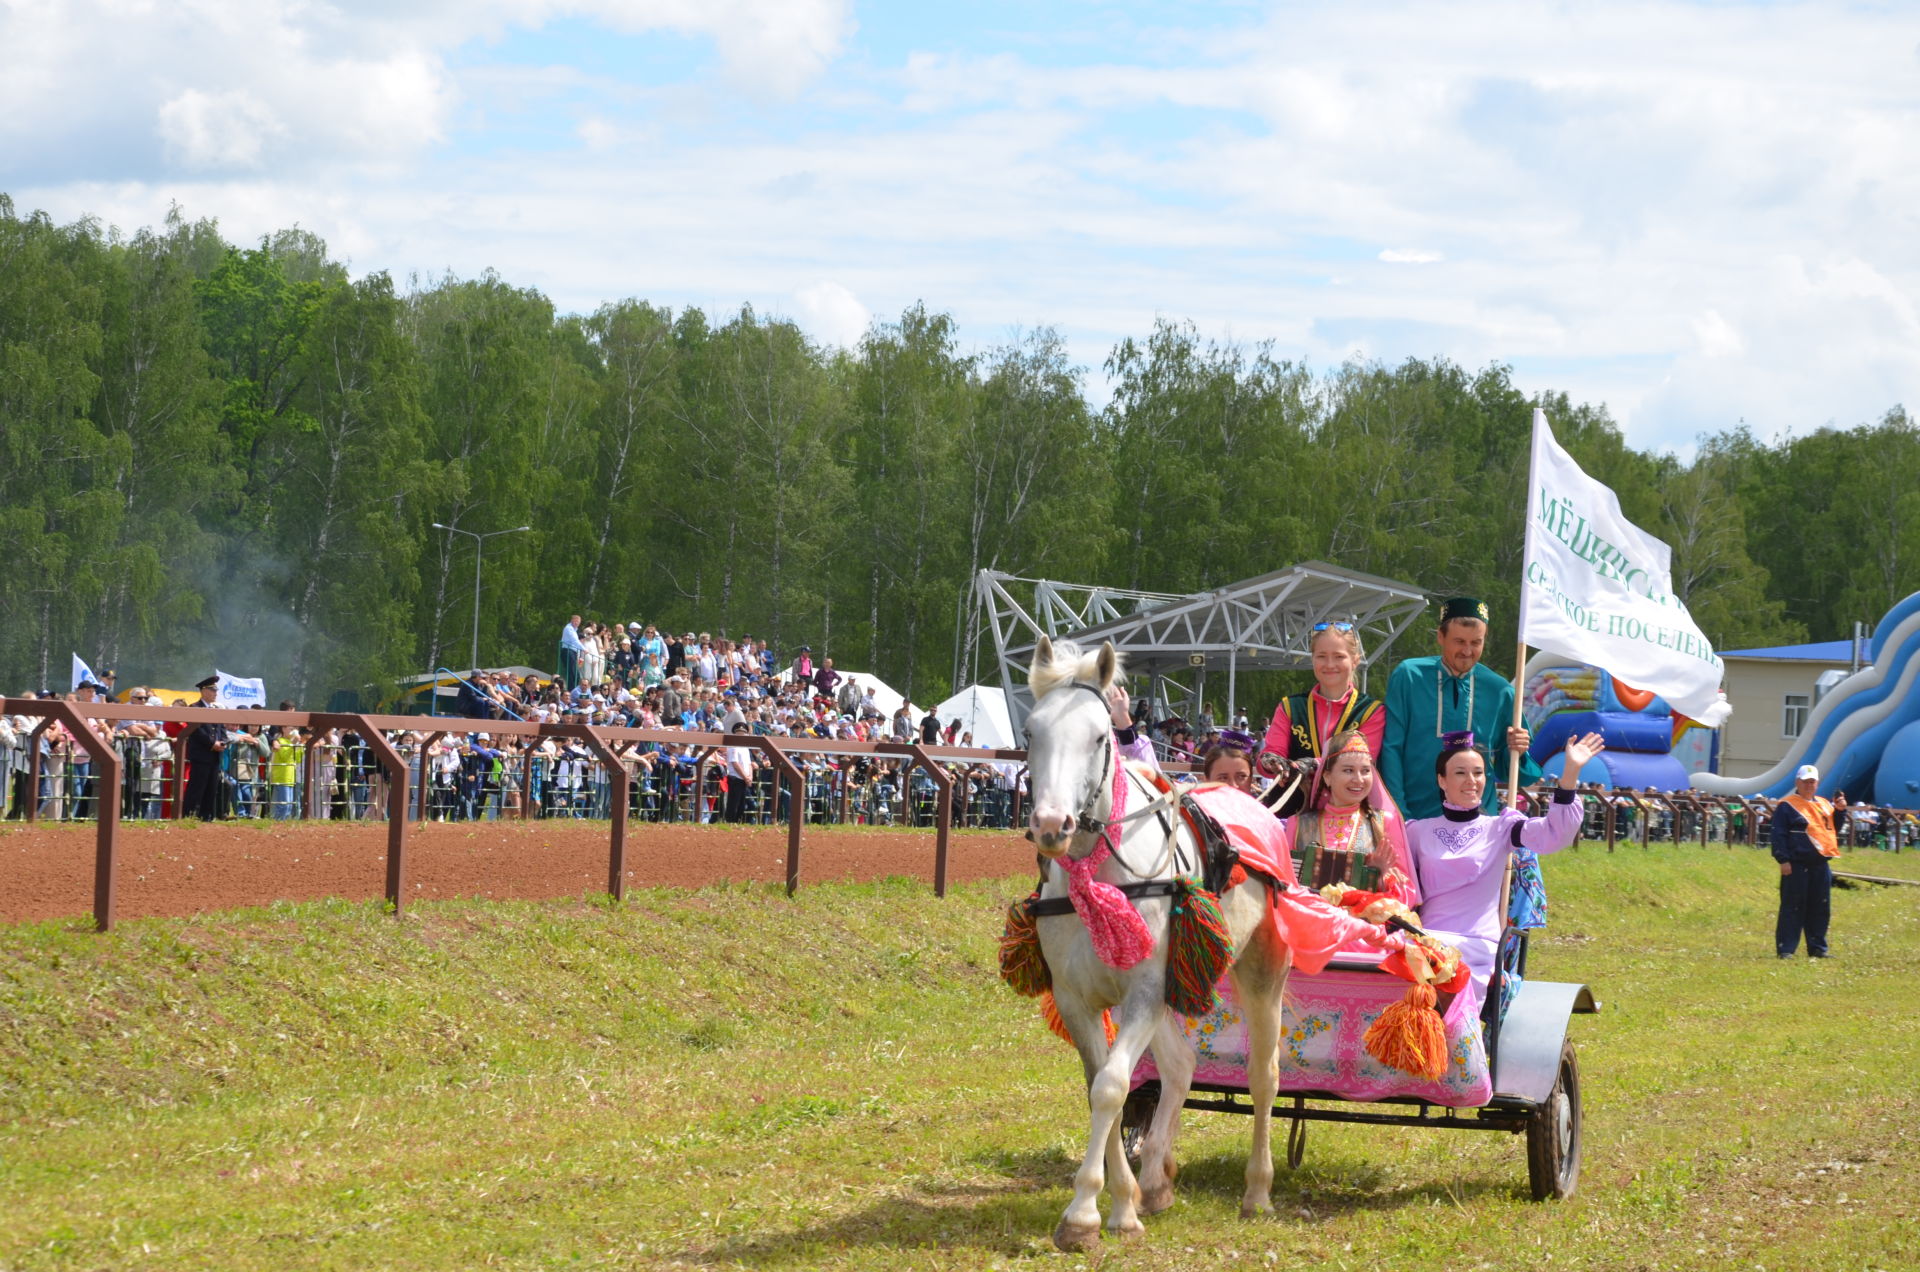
{"points": [[728, 1077]]}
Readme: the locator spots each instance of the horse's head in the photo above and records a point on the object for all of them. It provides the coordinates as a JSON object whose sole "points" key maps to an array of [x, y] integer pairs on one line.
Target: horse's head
{"points": [[1069, 739]]}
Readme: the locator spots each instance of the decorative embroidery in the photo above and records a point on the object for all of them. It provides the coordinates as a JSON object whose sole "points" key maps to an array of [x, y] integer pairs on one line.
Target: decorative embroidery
{"points": [[1296, 1037], [1457, 836], [1337, 829]]}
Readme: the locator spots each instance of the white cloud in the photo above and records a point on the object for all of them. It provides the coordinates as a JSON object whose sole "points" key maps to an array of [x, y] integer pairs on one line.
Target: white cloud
{"points": [[218, 130], [599, 132], [1717, 336], [285, 85], [1696, 213], [832, 314]]}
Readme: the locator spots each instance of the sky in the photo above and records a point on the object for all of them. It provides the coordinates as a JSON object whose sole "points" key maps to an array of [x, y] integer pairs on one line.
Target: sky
{"points": [[1699, 214]]}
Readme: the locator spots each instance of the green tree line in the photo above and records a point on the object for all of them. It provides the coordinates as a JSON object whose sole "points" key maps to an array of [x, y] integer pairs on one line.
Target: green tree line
{"points": [[216, 453]]}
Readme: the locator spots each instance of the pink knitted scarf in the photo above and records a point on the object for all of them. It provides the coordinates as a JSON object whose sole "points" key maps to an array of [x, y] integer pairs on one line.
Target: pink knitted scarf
{"points": [[1120, 936]]}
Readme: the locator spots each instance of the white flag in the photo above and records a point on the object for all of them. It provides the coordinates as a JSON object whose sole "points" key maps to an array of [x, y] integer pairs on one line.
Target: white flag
{"points": [[82, 673], [238, 691], [1598, 588]]}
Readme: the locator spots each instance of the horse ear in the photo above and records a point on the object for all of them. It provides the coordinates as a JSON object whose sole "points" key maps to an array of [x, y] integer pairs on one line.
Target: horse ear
{"points": [[1103, 668], [1042, 658]]}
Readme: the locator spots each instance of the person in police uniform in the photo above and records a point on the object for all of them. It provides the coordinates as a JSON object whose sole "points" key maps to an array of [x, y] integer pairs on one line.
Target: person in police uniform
{"points": [[206, 743]]}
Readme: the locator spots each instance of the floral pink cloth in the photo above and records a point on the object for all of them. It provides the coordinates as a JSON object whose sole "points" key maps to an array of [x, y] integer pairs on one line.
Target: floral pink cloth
{"points": [[1323, 1047], [1305, 923]]}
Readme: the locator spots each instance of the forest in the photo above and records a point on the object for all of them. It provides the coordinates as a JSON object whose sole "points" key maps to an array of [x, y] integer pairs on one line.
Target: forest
{"points": [[236, 455]]}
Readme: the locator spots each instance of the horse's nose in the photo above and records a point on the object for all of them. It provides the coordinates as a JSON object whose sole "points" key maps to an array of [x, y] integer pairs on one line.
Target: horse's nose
{"points": [[1051, 826]]}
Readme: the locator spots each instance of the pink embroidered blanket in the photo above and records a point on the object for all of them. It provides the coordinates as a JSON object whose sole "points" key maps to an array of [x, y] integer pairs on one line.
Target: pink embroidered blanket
{"points": [[1314, 930], [1251, 825], [1326, 1017]]}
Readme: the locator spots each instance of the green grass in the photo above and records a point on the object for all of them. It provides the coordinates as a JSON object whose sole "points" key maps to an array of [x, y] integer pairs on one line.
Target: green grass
{"points": [[728, 1077]]}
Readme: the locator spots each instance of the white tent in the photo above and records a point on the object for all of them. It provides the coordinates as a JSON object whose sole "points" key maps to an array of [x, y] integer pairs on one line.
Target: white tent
{"points": [[982, 711], [885, 696]]}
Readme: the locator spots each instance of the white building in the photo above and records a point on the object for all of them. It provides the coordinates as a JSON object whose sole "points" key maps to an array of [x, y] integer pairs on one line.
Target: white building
{"points": [[1772, 690]]}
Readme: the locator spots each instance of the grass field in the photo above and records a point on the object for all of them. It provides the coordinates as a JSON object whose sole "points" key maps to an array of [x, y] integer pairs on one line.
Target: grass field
{"points": [[728, 1077]]}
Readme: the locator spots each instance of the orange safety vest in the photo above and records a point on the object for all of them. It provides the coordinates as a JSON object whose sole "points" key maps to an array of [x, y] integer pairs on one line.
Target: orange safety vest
{"points": [[1819, 815]]}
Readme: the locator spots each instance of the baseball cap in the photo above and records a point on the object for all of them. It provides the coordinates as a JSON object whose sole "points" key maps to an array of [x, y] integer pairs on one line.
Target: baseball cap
{"points": [[1806, 773]]}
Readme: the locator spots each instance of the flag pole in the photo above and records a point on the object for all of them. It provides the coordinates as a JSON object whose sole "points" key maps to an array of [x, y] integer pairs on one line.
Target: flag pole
{"points": [[1519, 720], [1513, 772]]}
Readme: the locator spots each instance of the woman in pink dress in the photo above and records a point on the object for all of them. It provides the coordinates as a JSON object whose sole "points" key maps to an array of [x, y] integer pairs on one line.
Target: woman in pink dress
{"points": [[1460, 857], [1349, 833]]}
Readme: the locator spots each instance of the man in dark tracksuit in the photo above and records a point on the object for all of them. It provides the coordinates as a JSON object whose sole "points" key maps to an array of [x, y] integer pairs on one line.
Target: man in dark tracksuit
{"points": [[1803, 840]]}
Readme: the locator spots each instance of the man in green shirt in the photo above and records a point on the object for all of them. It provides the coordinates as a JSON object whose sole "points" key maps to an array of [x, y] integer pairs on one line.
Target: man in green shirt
{"points": [[1451, 692]]}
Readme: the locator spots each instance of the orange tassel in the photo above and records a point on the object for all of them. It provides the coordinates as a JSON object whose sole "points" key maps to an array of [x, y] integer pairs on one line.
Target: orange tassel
{"points": [[1410, 1036], [1050, 1013]]}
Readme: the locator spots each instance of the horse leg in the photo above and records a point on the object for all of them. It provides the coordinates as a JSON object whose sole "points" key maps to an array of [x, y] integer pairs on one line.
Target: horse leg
{"points": [[1079, 1227], [1109, 1076], [1173, 1053], [1259, 976], [1144, 1009]]}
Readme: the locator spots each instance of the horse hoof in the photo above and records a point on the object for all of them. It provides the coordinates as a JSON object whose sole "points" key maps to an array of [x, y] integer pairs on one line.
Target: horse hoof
{"points": [[1132, 1231], [1155, 1200], [1250, 1211], [1076, 1238]]}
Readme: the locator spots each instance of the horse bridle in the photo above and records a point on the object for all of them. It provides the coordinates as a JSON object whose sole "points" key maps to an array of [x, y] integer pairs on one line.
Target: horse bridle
{"points": [[1085, 822]]}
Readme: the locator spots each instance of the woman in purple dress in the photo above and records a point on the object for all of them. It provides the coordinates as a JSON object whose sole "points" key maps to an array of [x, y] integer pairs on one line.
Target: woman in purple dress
{"points": [[1461, 856]]}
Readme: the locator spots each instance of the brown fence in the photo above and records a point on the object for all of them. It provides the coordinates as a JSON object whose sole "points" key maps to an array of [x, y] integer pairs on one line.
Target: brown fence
{"points": [[405, 798], [802, 788]]}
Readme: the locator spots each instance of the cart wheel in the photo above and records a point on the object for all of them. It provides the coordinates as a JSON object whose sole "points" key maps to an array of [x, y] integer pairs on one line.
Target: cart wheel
{"points": [[1553, 1135], [1136, 1115]]}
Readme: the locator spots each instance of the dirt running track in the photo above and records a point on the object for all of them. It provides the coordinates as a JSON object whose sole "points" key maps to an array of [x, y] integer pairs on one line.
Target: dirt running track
{"points": [[46, 872]]}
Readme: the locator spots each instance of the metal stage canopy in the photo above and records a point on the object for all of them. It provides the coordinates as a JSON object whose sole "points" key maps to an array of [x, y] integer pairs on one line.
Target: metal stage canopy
{"points": [[1176, 641]]}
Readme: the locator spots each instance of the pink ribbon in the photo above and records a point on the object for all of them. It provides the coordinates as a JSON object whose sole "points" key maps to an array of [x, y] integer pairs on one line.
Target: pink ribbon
{"points": [[1119, 935]]}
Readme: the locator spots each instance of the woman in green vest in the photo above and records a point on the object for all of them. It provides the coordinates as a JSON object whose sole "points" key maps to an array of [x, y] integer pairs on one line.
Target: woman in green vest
{"points": [[1305, 723]]}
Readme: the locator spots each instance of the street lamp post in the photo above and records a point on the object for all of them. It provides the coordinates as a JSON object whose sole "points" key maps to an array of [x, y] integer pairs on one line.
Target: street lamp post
{"points": [[479, 542]]}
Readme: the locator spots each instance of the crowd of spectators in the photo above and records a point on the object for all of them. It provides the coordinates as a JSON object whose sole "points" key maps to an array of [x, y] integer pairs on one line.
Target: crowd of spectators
{"points": [[635, 676], [630, 676], [282, 773]]}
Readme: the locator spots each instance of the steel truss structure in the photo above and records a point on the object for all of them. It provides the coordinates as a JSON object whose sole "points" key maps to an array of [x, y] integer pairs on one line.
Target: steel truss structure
{"points": [[1175, 641]]}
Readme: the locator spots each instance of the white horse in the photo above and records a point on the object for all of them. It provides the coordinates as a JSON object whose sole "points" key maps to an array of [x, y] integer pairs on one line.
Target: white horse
{"points": [[1071, 760]]}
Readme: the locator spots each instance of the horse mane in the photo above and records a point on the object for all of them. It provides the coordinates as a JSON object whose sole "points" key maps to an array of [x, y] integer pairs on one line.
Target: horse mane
{"points": [[1068, 664]]}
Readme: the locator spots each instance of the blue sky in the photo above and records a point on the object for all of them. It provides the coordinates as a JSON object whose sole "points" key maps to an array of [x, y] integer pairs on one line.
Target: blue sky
{"points": [[1698, 214]]}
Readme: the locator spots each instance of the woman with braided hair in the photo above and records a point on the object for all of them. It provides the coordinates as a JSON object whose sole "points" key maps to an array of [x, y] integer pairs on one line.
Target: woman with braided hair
{"points": [[1350, 833]]}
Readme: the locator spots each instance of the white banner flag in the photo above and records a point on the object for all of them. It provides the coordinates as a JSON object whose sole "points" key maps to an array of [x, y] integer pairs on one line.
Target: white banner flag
{"points": [[238, 691], [1598, 588], [82, 673]]}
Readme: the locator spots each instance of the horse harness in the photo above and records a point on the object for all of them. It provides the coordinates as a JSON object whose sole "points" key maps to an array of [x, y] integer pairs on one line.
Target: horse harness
{"points": [[1219, 860], [1218, 857]]}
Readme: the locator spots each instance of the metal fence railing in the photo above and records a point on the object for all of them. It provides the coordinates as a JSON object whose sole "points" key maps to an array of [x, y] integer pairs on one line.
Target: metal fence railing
{"points": [[108, 763]]}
